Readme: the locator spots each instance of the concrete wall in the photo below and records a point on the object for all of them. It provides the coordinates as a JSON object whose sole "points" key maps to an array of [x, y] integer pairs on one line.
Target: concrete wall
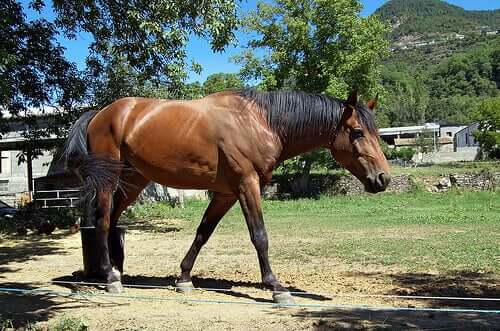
{"points": [[448, 155], [14, 176]]}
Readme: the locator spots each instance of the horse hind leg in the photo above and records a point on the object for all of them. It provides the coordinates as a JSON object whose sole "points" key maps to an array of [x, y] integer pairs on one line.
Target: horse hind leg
{"points": [[103, 210], [133, 183]]}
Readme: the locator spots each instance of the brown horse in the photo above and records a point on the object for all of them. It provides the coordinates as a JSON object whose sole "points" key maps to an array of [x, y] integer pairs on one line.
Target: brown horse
{"points": [[228, 143]]}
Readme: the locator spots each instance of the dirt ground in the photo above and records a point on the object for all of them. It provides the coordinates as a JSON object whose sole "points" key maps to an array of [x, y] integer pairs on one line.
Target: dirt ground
{"points": [[229, 263]]}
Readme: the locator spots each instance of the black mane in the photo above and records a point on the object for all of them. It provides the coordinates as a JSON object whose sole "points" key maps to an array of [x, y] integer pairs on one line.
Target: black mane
{"points": [[297, 113]]}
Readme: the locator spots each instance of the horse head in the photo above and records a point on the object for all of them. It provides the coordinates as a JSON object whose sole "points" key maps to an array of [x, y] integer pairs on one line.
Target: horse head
{"points": [[356, 145]]}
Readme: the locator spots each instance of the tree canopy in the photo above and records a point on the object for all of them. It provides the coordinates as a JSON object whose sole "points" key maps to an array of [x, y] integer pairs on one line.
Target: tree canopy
{"points": [[138, 48], [222, 81], [488, 135], [34, 74], [316, 46]]}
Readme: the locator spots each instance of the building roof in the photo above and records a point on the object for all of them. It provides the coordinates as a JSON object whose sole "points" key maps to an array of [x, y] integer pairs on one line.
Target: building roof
{"points": [[432, 127]]}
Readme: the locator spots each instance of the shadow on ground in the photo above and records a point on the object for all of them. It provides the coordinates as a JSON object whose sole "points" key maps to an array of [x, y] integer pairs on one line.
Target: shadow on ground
{"points": [[151, 226], [28, 249], [362, 319], [456, 284], [24, 309], [453, 284], [223, 286]]}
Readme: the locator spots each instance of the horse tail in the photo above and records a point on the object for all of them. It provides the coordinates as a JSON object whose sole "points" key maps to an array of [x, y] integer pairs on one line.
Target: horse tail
{"points": [[98, 173], [75, 150]]}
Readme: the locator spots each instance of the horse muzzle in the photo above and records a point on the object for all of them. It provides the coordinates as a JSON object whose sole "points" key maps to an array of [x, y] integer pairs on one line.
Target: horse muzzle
{"points": [[377, 183]]}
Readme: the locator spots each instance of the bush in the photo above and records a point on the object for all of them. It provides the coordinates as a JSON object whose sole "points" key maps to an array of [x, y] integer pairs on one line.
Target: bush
{"points": [[31, 217], [404, 153]]}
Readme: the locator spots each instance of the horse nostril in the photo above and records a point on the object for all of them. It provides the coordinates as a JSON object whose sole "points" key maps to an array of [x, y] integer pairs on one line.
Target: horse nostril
{"points": [[384, 179]]}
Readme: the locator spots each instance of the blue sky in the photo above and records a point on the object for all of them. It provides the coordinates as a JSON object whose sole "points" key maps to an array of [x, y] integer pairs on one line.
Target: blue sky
{"points": [[199, 50]]}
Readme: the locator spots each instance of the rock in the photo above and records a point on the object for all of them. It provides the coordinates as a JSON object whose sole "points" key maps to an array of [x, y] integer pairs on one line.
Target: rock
{"points": [[444, 183]]}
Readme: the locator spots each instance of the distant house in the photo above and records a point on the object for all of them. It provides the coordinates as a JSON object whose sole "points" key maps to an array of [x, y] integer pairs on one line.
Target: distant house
{"points": [[465, 137], [451, 142], [16, 178]]}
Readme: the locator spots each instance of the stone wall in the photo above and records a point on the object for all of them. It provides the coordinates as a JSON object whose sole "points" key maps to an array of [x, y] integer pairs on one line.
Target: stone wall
{"points": [[282, 186]]}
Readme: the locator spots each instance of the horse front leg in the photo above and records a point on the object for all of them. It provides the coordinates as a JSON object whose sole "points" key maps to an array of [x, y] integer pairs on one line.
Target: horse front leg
{"points": [[103, 211], [250, 202], [217, 208]]}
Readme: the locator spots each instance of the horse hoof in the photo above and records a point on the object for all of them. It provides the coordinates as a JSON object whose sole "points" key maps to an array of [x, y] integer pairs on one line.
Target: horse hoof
{"points": [[283, 298], [184, 287], [114, 287]]}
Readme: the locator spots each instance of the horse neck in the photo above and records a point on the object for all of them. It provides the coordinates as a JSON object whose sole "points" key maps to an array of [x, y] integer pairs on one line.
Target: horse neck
{"points": [[301, 145]]}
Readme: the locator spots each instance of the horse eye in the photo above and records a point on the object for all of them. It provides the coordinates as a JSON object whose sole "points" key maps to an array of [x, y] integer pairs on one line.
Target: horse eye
{"points": [[357, 133]]}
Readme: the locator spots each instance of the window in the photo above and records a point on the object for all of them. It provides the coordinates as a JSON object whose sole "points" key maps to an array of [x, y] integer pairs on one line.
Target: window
{"points": [[449, 133], [4, 185]]}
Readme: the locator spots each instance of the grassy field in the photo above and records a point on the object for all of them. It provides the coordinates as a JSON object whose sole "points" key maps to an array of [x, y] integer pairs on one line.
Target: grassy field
{"points": [[448, 168], [447, 232]]}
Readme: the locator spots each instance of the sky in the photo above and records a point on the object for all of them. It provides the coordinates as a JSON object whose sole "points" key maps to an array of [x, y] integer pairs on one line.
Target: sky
{"points": [[199, 50]]}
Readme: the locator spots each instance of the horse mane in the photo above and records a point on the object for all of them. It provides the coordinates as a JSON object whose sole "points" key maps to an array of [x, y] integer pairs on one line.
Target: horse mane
{"points": [[296, 114]]}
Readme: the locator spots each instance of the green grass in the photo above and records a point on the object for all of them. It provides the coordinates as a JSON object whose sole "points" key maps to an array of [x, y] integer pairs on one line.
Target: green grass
{"points": [[451, 231], [65, 323], [443, 169]]}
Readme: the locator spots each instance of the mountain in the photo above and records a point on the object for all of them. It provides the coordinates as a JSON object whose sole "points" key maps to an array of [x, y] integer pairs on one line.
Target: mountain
{"points": [[418, 18], [444, 62]]}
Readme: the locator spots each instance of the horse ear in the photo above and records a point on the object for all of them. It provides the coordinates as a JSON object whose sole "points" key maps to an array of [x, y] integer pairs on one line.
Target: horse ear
{"points": [[372, 103], [352, 100]]}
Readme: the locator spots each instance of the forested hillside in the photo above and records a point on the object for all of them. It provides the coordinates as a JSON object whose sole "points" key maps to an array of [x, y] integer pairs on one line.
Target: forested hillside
{"points": [[444, 61], [424, 17]]}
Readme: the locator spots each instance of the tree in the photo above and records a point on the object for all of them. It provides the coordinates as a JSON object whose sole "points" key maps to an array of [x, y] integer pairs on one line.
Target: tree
{"points": [[488, 134], [407, 103], [137, 48], [222, 81], [318, 46], [426, 143], [149, 37], [33, 70]]}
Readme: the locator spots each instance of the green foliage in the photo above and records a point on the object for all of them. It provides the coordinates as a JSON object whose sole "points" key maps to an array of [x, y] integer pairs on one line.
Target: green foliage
{"points": [[464, 74], [69, 324], [408, 97], [221, 81], [137, 48], [150, 37], [314, 45], [416, 17], [445, 80], [31, 217], [319, 160], [488, 134], [403, 154], [317, 46], [34, 72], [446, 92]]}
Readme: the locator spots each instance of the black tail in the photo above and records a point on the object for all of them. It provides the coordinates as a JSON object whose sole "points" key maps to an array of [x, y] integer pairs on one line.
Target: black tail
{"points": [[99, 173]]}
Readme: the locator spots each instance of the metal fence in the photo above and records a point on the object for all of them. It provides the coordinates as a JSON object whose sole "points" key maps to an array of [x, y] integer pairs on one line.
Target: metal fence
{"points": [[57, 198]]}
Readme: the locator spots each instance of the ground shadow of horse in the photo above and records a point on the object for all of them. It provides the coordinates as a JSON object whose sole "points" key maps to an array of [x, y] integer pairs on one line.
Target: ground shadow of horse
{"points": [[218, 285], [148, 225], [453, 284], [365, 319]]}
